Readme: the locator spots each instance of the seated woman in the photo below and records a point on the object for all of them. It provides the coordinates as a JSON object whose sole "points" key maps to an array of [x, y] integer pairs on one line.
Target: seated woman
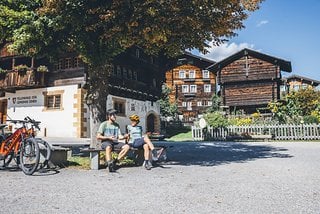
{"points": [[137, 140]]}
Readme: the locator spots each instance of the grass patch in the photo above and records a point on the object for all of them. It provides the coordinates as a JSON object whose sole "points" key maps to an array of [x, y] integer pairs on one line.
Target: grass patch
{"points": [[185, 136], [79, 162]]}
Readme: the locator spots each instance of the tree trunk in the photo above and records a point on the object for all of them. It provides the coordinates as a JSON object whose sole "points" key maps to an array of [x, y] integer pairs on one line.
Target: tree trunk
{"points": [[96, 98]]}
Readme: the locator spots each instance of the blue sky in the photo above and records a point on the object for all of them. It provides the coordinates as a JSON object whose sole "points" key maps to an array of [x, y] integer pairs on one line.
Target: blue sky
{"points": [[289, 30]]}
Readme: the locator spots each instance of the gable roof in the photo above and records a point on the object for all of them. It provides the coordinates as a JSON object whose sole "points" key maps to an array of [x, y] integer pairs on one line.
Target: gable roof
{"points": [[284, 65], [306, 79], [189, 58]]}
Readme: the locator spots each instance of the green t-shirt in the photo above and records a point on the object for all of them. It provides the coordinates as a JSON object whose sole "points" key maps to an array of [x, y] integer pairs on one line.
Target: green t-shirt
{"points": [[135, 132], [109, 129]]}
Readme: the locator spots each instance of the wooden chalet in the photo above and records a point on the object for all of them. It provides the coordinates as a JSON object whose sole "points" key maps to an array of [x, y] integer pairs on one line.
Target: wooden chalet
{"points": [[296, 82], [134, 87], [249, 79], [192, 86]]}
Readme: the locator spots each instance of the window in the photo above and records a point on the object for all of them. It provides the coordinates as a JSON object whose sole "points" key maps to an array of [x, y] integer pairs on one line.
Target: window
{"points": [[209, 103], [120, 106], [132, 107], [205, 74], [154, 82], [68, 63], [60, 65], [135, 75], [182, 74], [53, 100], [193, 88], [192, 74], [296, 87], [207, 88], [137, 53], [199, 103], [185, 88], [184, 104], [77, 62], [125, 73], [118, 71], [189, 107], [304, 86], [129, 73], [114, 70]]}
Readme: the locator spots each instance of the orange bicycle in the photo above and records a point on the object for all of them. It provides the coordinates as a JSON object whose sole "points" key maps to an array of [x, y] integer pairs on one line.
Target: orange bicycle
{"points": [[22, 146]]}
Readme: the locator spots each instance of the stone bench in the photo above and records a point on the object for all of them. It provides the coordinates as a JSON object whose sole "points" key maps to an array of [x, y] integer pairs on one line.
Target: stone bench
{"points": [[95, 154]]}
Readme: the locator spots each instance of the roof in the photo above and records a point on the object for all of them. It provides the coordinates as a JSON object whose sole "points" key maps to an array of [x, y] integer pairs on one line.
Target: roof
{"points": [[306, 79], [189, 58], [284, 65]]}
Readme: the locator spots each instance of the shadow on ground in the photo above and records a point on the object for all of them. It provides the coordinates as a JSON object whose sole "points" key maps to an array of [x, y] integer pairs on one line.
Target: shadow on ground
{"points": [[216, 153]]}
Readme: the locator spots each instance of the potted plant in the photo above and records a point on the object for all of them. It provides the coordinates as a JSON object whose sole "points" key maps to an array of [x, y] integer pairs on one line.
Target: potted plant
{"points": [[42, 69], [22, 69]]}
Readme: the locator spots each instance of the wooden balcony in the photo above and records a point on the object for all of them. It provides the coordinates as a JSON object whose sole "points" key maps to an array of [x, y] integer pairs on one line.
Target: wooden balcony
{"points": [[15, 80]]}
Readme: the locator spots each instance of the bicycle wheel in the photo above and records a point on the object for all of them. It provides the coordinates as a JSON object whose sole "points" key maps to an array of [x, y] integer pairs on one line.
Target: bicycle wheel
{"points": [[29, 156], [45, 152]]}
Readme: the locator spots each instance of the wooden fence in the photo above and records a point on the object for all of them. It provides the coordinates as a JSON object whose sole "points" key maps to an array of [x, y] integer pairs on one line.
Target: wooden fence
{"points": [[276, 132]]}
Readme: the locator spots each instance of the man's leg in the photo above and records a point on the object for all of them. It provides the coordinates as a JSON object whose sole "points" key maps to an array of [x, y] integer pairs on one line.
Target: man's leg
{"points": [[108, 153], [124, 151], [109, 161]]}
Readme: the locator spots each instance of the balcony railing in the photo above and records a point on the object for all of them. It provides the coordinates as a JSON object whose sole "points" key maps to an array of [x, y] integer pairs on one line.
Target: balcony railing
{"points": [[14, 79]]}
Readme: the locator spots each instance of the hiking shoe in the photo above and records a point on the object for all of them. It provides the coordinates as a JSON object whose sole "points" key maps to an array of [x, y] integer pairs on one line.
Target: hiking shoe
{"points": [[147, 165], [111, 167], [154, 155]]}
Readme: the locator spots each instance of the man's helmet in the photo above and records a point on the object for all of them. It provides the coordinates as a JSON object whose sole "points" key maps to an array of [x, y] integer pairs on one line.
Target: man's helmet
{"points": [[134, 117]]}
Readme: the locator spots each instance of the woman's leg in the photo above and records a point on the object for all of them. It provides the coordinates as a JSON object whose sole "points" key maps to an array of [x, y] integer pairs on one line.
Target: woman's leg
{"points": [[146, 151], [147, 164], [148, 142], [151, 146]]}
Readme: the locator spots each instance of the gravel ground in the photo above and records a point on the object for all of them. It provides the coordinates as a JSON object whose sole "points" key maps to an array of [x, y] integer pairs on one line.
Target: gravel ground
{"points": [[206, 177]]}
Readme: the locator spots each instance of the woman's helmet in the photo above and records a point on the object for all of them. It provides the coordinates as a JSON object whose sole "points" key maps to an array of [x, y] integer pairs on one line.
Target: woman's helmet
{"points": [[134, 117]]}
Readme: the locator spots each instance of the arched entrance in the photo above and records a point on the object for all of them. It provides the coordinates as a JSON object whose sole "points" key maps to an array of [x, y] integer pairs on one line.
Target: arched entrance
{"points": [[153, 122], [150, 123]]}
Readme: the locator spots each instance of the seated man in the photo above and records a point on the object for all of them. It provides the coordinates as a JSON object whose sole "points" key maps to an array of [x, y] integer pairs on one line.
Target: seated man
{"points": [[109, 133], [137, 140]]}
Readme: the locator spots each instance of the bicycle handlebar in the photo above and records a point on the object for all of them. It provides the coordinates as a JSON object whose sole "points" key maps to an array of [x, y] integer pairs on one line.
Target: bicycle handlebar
{"points": [[27, 120]]}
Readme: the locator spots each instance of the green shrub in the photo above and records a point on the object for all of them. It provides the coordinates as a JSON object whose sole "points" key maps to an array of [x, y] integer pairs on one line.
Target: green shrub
{"points": [[310, 119], [216, 119]]}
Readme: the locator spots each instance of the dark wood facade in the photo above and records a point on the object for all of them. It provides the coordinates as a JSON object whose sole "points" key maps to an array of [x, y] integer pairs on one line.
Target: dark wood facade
{"points": [[192, 86], [249, 80], [135, 74]]}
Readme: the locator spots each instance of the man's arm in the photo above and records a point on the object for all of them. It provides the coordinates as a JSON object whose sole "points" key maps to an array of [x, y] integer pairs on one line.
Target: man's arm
{"points": [[103, 138]]}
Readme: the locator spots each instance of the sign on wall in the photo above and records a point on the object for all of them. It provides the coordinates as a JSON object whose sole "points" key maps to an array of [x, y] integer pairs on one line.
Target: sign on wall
{"points": [[25, 100]]}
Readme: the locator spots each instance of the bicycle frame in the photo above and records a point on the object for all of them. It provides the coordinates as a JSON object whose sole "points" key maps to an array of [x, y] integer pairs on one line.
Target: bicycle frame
{"points": [[12, 143], [22, 146]]}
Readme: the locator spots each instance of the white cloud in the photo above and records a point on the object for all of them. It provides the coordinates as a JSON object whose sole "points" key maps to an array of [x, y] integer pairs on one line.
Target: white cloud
{"points": [[218, 53], [263, 22]]}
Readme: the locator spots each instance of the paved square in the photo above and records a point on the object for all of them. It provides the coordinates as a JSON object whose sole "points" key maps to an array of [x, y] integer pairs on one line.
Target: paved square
{"points": [[201, 177]]}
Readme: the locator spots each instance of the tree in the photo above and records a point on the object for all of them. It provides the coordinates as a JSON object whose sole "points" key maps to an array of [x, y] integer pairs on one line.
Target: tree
{"points": [[167, 108], [298, 104], [216, 100], [99, 30]]}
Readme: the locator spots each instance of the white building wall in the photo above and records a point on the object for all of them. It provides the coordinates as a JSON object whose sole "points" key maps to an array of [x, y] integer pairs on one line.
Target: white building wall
{"points": [[55, 123], [142, 109]]}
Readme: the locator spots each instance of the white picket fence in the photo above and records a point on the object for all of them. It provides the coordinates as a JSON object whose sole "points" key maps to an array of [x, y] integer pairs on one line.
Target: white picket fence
{"points": [[278, 132]]}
